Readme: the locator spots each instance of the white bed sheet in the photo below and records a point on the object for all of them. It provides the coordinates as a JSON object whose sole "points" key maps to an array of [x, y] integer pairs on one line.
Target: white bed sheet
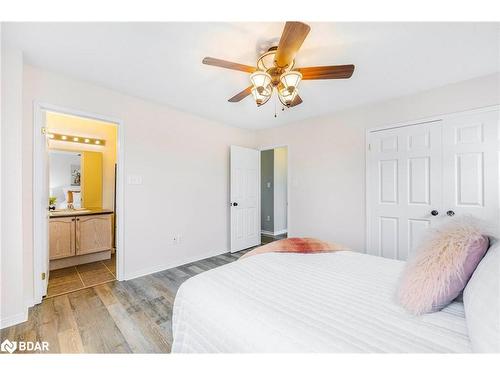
{"points": [[329, 302]]}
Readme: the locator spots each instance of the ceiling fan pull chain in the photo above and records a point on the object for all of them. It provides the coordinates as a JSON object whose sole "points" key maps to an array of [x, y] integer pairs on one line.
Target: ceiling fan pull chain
{"points": [[275, 108]]}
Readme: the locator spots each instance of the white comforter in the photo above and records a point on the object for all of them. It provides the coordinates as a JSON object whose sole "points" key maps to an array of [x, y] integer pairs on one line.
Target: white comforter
{"points": [[329, 302]]}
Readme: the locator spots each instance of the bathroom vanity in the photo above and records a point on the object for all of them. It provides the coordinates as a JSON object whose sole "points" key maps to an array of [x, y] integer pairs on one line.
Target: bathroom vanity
{"points": [[79, 236]]}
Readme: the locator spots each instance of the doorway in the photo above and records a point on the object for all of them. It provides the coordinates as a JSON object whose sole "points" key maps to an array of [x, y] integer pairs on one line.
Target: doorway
{"points": [[77, 167], [274, 193]]}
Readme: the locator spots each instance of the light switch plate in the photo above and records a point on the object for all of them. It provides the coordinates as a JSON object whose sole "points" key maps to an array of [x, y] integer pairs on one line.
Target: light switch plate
{"points": [[134, 180]]}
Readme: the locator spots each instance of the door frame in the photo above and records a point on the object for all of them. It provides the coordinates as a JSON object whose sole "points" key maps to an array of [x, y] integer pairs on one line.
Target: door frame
{"points": [[288, 182], [40, 220], [421, 121]]}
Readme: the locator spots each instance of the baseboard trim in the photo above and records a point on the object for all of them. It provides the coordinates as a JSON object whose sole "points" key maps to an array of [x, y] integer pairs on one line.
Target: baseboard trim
{"points": [[277, 233], [14, 319], [163, 267]]}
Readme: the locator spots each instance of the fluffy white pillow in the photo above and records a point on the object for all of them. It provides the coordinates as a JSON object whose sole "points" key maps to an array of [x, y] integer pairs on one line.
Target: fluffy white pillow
{"points": [[442, 265], [482, 303]]}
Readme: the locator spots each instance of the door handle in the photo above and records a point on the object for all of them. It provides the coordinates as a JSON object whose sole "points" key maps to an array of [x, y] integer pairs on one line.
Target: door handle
{"points": [[434, 213], [235, 204], [450, 213]]}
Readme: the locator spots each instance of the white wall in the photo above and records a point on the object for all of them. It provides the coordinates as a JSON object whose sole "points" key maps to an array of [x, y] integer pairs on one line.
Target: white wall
{"points": [[280, 189], [327, 156], [184, 164], [12, 308]]}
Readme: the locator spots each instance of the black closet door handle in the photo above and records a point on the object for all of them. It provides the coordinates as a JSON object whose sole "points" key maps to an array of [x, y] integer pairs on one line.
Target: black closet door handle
{"points": [[434, 213], [235, 204], [450, 213]]}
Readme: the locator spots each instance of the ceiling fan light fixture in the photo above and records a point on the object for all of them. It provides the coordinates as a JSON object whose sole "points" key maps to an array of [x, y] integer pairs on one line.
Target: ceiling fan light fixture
{"points": [[261, 97], [287, 96], [261, 81], [290, 80]]}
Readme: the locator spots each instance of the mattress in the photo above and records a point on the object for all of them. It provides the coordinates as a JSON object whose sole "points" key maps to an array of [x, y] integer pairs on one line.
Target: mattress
{"points": [[325, 302]]}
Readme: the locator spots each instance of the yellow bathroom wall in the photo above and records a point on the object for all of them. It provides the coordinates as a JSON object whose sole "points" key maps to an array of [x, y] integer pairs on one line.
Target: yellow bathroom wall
{"points": [[65, 124], [91, 171]]}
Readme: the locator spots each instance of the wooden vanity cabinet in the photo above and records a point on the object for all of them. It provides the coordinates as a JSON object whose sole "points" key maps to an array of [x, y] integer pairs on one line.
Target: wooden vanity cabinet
{"points": [[79, 235]]}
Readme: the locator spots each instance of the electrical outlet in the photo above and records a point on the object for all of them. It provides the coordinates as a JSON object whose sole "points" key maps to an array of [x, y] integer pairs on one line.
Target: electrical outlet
{"points": [[268, 218], [176, 239], [269, 185]]}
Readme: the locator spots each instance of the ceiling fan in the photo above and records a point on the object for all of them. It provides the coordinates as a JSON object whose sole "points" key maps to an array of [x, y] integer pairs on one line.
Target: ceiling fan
{"points": [[276, 71]]}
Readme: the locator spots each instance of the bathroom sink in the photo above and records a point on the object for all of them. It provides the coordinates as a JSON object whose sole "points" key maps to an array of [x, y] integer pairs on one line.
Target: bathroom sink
{"points": [[69, 210]]}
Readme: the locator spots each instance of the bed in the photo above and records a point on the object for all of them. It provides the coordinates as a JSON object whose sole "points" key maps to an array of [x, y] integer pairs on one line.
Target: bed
{"points": [[326, 302]]}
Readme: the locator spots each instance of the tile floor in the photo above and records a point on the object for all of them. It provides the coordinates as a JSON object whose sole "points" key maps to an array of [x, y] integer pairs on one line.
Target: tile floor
{"points": [[66, 280]]}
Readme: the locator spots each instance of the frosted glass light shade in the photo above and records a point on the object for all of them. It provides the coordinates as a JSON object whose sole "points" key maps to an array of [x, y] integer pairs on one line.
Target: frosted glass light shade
{"points": [[287, 97], [290, 80], [260, 97], [261, 81]]}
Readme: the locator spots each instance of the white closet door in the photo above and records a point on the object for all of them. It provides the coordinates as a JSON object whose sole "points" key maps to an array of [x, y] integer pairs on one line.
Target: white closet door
{"points": [[470, 166], [404, 187]]}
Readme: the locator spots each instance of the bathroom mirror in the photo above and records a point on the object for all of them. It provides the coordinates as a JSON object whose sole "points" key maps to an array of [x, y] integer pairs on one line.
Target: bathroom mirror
{"points": [[75, 179]]}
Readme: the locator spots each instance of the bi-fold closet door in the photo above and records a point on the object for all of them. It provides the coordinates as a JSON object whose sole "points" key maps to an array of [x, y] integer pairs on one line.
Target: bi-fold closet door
{"points": [[421, 175]]}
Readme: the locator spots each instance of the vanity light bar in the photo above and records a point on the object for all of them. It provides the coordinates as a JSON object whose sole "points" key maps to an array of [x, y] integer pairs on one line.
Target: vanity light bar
{"points": [[76, 139]]}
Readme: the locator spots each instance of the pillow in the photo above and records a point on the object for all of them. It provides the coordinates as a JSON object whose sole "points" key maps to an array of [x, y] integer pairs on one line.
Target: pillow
{"points": [[482, 303], [442, 266]]}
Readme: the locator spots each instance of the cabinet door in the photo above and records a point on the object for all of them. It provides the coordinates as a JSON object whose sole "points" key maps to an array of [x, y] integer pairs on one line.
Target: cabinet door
{"points": [[61, 237], [93, 234]]}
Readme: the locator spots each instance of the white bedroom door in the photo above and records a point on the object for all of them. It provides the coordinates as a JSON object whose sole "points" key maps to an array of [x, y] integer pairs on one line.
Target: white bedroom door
{"points": [[245, 198], [404, 187]]}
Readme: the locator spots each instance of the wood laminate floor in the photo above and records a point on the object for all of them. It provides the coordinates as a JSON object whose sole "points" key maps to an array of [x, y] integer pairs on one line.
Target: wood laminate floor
{"points": [[132, 316]]}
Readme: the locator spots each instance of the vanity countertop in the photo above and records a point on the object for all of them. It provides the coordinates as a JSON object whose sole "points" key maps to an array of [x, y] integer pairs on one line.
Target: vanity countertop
{"points": [[79, 212]]}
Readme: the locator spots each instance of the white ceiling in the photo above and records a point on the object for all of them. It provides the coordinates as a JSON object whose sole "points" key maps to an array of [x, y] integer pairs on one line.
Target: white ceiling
{"points": [[162, 61]]}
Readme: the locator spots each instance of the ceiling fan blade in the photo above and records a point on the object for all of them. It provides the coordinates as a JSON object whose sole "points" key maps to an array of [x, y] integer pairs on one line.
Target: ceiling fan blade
{"points": [[291, 39], [228, 65], [327, 72], [296, 101], [241, 95]]}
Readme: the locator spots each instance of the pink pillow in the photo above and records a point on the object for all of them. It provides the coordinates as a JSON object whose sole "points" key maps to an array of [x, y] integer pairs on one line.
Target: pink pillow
{"points": [[442, 266]]}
